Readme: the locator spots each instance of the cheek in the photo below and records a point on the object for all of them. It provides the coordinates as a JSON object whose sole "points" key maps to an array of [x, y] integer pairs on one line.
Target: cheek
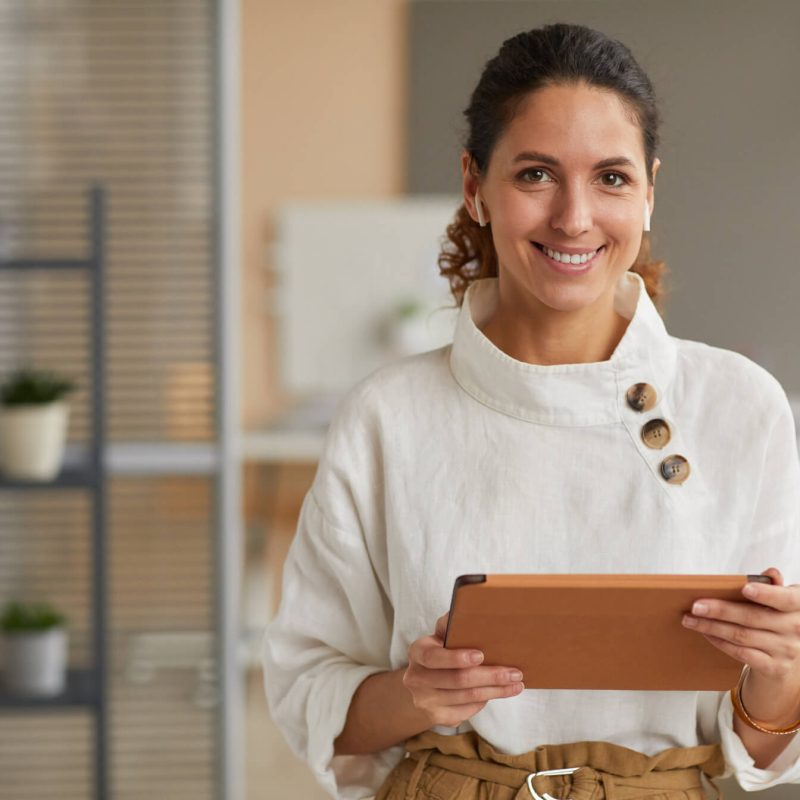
{"points": [[621, 214], [518, 216], [623, 223]]}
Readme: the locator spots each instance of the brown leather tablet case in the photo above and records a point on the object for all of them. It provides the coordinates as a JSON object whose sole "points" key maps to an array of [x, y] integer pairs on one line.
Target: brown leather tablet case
{"points": [[595, 631]]}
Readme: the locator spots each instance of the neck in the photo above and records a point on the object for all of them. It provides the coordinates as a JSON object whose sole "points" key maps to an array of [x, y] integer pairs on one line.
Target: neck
{"points": [[546, 336]]}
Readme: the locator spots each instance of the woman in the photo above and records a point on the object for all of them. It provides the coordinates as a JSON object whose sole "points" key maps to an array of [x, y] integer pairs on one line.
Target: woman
{"points": [[563, 431]]}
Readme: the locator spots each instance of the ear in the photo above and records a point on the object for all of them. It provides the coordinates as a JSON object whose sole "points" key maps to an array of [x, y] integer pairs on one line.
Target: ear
{"points": [[651, 187], [470, 185]]}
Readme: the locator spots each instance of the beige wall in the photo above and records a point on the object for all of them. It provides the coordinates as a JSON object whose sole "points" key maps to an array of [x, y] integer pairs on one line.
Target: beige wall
{"points": [[323, 115]]}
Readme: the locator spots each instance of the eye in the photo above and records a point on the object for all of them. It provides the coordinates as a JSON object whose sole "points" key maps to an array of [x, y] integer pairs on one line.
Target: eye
{"points": [[619, 175], [535, 171]]}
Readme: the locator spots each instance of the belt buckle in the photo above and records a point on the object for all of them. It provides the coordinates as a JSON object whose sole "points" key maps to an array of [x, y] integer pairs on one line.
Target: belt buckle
{"points": [[567, 771]]}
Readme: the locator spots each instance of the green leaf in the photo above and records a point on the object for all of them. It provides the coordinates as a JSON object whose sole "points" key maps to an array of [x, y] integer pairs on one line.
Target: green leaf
{"points": [[26, 617], [27, 386]]}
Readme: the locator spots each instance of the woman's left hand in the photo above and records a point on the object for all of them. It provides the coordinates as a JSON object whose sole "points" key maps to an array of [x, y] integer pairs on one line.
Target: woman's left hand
{"points": [[764, 633]]}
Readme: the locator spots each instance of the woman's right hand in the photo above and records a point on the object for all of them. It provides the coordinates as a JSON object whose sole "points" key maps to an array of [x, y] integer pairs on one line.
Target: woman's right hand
{"points": [[447, 685]]}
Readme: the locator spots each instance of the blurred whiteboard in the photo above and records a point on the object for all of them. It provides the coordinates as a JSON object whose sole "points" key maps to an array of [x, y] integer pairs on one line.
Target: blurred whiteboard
{"points": [[343, 268]]}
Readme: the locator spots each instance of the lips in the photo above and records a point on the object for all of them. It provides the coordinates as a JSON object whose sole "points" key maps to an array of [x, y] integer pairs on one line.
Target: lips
{"points": [[566, 267], [569, 250]]}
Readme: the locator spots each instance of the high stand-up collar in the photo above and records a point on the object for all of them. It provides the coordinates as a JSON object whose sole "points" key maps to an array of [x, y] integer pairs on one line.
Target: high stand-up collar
{"points": [[563, 394]]}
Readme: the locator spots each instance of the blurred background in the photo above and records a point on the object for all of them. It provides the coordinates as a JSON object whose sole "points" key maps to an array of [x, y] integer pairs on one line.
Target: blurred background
{"points": [[215, 217]]}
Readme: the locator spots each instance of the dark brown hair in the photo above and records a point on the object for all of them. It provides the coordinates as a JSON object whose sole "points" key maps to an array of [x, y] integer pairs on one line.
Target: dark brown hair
{"points": [[555, 54]]}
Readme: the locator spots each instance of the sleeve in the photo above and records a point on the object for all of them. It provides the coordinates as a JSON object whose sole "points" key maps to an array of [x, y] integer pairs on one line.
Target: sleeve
{"points": [[773, 541], [332, 630]]}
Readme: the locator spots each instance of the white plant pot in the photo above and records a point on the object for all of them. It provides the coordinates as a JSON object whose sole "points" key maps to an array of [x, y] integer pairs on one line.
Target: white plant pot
{"points": [[411, 335], [32, 440], [36, 662]]}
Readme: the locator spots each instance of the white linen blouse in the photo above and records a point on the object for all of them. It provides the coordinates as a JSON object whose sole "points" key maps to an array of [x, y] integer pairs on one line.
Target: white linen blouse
{"points": [[465, 460]]}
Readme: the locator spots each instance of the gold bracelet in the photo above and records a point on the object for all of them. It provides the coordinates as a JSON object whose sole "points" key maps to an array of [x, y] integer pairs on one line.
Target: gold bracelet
{"points": [[745, 717]]}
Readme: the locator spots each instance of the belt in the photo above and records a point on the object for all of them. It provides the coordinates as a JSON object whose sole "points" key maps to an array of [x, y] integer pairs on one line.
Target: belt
{"points": [[583, 784], [578, 782]]}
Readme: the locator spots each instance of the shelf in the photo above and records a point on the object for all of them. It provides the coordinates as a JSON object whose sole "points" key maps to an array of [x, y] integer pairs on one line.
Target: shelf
{"points": [[23, 264], [83, 466], [267, 445], [127, 459], [161, 458], [75, 473], [81, 691], [297, 435]]}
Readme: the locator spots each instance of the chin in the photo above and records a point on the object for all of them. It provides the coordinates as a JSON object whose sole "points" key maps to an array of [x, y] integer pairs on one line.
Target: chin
{"points": [[567, 297]]}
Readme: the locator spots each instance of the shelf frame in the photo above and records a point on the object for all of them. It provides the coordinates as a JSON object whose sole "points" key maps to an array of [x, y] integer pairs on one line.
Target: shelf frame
{"points": [[80, 692], [86, 688]]}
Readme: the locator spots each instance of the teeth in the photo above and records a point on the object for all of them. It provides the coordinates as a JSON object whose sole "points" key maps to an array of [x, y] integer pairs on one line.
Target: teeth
{"points": [[567, 259]]}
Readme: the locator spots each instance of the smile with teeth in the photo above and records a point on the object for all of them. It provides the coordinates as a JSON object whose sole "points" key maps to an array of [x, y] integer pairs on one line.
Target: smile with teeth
{"points": [[564, 258]]}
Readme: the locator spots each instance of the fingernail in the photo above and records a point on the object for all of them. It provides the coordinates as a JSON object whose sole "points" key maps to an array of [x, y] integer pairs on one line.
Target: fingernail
{"points": [[749, 590], [690, 622], [515, 675], [699, 608], [476, 657]]}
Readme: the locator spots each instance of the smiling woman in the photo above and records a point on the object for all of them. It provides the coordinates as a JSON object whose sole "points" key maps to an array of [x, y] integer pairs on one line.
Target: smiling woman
{"points": [[560, 161], [566, 227], [563, 431]]}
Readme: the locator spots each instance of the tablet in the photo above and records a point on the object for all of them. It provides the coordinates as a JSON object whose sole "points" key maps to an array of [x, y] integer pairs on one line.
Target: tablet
{"points": [[588, 631]]}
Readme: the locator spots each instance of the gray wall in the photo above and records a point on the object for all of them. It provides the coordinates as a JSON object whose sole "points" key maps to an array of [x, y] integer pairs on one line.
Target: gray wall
{"points": [[727, 193]]}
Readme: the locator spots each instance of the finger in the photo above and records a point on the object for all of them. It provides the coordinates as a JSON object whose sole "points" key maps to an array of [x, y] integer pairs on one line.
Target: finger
{"points": [[477, 694], [471, 678], [757, 659], [441, 625], [428, 652], [754, 614], [775, 574], [768, 642], [779, 597]]}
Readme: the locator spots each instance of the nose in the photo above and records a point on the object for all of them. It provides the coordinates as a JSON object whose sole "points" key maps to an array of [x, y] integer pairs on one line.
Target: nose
{"points": [[571, 211]]}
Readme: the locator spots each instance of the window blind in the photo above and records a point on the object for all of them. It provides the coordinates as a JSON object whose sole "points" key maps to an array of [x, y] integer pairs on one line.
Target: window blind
{"points": [[122, 93]]}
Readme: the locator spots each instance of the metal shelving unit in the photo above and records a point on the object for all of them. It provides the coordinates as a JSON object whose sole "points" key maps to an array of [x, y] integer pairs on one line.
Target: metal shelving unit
{"points": [[86, 688]]}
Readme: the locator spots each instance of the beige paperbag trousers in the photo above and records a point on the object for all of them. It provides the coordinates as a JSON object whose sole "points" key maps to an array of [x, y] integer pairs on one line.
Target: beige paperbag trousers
{"points": [[466, 767]]}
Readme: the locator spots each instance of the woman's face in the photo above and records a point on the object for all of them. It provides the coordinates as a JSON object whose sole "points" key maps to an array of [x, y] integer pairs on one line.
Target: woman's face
{"points": [[569, 174]]}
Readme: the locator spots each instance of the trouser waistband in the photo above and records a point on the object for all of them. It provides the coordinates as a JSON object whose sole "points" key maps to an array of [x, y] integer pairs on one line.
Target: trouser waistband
{"points": [[615, 768]]}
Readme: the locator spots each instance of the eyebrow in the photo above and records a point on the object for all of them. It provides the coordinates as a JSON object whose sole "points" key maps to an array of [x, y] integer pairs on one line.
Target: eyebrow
{"points": [[615, 161]]}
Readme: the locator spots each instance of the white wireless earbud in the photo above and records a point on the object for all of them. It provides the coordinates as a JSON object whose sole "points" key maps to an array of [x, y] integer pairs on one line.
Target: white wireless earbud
{"points": [[479, 209], [646, 216]]}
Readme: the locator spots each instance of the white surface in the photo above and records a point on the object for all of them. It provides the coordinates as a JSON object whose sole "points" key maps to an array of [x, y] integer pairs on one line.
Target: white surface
{"points": [[343, 267]]}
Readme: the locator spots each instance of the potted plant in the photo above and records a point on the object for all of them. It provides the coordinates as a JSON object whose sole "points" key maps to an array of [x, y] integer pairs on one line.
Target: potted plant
{"points": [[33, 424], [35, 644], [408, 328]]}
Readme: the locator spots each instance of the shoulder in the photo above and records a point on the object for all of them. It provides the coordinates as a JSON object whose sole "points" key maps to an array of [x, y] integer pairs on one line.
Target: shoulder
{"points": [[726, 367], [393, 389], [371, 417], [715, 379], [368, 421]]}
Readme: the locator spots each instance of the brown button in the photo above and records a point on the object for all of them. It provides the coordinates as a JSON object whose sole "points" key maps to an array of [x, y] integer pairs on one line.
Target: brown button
{"points": [[675, 469], [656, 433], [641, 397]]}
